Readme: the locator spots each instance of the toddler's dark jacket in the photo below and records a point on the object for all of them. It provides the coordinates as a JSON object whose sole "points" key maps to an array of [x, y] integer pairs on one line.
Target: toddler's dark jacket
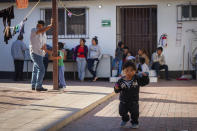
{"points": [[129, 90]]}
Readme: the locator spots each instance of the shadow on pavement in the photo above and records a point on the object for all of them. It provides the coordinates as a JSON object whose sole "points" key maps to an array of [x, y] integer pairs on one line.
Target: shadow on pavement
{"points": [[165, 101]]}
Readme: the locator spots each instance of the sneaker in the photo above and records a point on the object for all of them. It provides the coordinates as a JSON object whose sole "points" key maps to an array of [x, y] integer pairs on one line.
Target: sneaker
{"points": [[41, 89], [135, 126], [123, 124]]}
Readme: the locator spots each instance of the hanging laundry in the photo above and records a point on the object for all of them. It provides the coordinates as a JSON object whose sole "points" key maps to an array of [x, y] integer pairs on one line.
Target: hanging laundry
{"points": [[7, 34], [20, 27], [16, 29], [70, 14], [21, 4], [22, 30], [7, 15]]}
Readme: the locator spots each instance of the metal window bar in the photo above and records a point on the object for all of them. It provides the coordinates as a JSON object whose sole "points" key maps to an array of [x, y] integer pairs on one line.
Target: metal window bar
{"points": [[180, 17], [79, 28], [138, 28]]}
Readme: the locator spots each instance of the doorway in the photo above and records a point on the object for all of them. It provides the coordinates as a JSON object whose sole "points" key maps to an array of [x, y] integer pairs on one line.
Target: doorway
{"points": [[137, 28]]}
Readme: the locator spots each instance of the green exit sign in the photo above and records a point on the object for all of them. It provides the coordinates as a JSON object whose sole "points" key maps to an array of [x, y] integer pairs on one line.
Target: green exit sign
{"points": [[106, 23]]}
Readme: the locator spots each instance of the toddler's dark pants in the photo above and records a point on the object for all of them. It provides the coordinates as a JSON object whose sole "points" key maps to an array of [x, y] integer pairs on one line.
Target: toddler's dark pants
{"points": [[132, 108]]}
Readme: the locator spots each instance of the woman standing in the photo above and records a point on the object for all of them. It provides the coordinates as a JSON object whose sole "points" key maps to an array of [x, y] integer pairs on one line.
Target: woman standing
{"points": [[93, 56], [81, 52]]}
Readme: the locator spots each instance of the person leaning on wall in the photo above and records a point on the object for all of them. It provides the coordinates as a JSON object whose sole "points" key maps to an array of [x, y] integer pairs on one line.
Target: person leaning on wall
{"points": [[80, 55], [94, 55]]}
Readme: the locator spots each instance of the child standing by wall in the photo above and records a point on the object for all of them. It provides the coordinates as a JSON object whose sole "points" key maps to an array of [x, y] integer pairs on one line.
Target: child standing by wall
{"points": [[61, 57], [129, 87], [62, 54], [119, 57]]}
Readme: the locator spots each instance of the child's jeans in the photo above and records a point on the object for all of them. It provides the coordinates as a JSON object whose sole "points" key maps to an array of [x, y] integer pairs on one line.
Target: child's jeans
{"points": [[61, 78], [119, 65], [132, 108]]}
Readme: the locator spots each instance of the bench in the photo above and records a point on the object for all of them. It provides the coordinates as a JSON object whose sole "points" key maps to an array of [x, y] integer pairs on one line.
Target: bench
{"points": [[103, 69]]}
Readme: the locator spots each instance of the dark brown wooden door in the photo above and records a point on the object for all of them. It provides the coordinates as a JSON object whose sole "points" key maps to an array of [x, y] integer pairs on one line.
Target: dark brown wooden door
{"points": [[139, 28]]}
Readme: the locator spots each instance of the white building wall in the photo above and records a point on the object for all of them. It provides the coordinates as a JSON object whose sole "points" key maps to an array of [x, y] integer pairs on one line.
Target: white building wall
{"points": [[167, 23], [107, 35]]}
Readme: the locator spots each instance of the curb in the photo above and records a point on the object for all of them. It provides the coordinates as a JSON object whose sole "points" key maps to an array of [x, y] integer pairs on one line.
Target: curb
{"points": [[66, 121]]}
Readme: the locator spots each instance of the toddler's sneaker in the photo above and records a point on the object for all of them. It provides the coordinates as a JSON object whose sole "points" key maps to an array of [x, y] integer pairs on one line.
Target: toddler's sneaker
{"points": [[123, 124], [135, 126]]}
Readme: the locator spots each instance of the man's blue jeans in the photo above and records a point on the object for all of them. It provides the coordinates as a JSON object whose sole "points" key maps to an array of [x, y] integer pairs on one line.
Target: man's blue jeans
{"points": [[38, 71]]}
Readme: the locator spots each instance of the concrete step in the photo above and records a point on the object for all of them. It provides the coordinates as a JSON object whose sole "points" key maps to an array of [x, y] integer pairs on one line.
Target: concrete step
{"points": [[114, 79], [114, 72], [152, 79], [152, 73]]}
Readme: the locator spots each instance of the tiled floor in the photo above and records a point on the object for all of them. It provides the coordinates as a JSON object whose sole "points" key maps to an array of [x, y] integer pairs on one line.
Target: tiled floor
{"points": [[164, 106]]}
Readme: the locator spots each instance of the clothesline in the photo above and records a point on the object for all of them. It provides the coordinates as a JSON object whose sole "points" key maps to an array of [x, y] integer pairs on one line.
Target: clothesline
{"points": [[29, 13], [32, 10], [7, 15], [19, 28], [62, 4]]}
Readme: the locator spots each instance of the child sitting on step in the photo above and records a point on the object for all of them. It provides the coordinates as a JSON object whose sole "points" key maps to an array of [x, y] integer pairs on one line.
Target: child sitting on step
{"points": [[143, 67]]}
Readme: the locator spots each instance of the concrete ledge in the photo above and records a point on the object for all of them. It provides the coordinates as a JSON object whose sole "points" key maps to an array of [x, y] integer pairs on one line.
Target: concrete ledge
{"points": [[66, 121], [70, 75]]}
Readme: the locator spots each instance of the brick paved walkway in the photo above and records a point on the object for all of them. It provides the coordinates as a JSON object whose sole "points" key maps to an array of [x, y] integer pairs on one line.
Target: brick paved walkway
{"points": [[165, 106]]}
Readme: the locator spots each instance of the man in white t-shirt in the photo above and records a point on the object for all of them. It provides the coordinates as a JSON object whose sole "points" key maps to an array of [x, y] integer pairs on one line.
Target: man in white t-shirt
{"points": [[37, 42], [159, 62]]}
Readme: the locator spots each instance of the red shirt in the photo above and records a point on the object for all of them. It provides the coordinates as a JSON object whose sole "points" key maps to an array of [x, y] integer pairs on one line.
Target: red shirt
{"points": [[81, 52]]}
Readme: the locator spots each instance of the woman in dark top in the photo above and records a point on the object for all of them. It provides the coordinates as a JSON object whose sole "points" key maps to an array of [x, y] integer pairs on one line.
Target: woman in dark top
{"points": [[81, 52]]}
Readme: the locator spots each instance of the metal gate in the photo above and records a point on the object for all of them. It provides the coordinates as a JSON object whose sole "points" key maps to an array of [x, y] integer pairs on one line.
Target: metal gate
{"points": [[138, 28]]}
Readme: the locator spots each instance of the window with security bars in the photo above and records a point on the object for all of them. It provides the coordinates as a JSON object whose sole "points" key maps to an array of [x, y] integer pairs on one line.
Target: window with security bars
{"points": [[61, 21], [69, 26], [187, 12], [76, 25]]}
